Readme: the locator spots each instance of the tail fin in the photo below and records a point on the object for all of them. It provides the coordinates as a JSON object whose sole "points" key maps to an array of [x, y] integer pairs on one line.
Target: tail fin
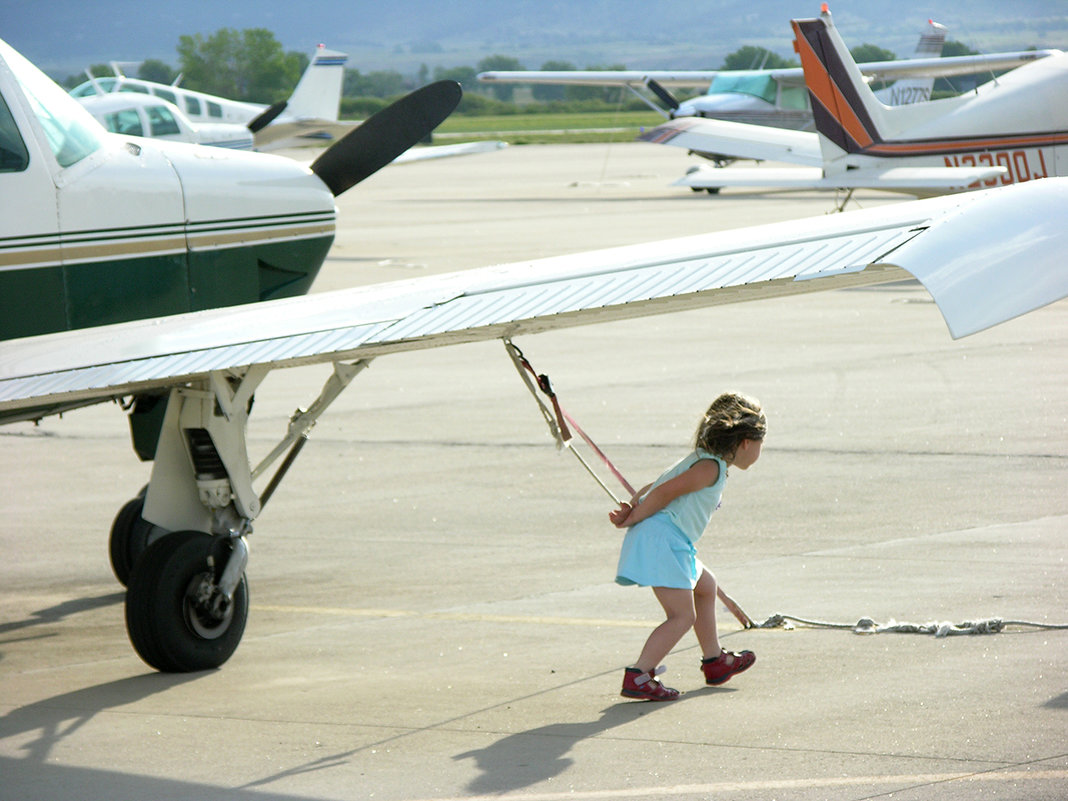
{"points": [[318, 94], [916, 90], [848, 117]]}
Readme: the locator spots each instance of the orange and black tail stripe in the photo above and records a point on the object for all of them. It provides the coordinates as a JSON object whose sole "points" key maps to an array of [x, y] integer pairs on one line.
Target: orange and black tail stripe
{"points": [[836, 105], [841, 116]]}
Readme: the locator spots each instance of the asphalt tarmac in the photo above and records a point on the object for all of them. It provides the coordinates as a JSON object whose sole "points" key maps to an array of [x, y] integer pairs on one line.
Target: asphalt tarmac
{"points": [[433, 611]]}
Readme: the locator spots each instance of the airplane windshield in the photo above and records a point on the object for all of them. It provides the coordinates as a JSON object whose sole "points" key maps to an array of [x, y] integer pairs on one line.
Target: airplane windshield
{"points": [[71, 131], [89, 88], [755, 84]]}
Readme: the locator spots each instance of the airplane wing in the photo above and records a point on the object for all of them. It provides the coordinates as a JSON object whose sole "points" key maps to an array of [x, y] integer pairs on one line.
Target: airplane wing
{"points": [[674, 78], [985, 257], [738, 140], [427, 152], [951, 65], [940, 179], [789, 76], [275, 132]]}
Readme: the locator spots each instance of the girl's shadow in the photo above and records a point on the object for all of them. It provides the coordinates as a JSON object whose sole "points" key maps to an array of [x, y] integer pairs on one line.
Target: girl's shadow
{"points": [[528, 757]]}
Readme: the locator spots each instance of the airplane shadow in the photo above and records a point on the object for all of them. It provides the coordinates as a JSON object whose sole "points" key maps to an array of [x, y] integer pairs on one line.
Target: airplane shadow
{"points": [[53, 614], [525, 758], [1057, 702], [25, 779], [60, 716]]}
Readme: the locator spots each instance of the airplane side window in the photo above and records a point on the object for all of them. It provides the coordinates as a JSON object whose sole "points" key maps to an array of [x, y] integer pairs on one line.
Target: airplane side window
{"points": [[126, 122], [214, 110], [13, 155], [161, 121], [166, 95], [192, 106], [133, 87]]}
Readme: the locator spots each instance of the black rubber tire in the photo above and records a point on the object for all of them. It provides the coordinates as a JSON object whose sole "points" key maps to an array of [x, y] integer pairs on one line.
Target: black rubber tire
{"points": [[166, 627], [130, 535]]}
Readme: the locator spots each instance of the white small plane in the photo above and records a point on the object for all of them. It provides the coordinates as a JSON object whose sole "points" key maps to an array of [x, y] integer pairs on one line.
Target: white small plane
{"points": [[106, 249], [1009, 130], [777, 97], [130, 114], [133, 114], [310, 112]]}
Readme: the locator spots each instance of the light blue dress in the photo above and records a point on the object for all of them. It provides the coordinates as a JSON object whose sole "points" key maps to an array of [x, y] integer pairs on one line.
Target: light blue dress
{"points": [[659, 551]]}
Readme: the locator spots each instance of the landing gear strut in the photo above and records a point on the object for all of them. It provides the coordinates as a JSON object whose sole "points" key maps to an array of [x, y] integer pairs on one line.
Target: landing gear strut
{"points": [[187, 595]]}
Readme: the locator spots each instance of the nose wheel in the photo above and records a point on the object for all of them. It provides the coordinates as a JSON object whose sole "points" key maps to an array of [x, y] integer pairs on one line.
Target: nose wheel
{"points": [[177, 618]]}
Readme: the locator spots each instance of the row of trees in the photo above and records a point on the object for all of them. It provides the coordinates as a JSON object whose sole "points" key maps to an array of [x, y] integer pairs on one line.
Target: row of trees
{"points": [[251, 65]]}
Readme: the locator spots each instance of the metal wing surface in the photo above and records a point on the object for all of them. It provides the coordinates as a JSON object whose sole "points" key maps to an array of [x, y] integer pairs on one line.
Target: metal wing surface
{"points": [[674, 78], [788, 76], [985, 257]]}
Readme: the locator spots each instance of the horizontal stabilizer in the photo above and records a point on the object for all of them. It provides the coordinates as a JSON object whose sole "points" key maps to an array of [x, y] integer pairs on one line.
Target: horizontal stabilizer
{"points": [[889, 178], [738, 140]]}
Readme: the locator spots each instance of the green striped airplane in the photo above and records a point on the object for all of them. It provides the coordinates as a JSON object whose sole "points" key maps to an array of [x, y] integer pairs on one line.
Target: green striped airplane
{"points": [[172, 278]]}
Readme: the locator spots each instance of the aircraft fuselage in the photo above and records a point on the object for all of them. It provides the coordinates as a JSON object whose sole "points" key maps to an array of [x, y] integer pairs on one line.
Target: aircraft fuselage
{"points": [[97, 228]]}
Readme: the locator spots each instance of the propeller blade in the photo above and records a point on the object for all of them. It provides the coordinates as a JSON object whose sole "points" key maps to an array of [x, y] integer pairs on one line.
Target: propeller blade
{"points": [[385, 135], [266, 117], [665, 96]]}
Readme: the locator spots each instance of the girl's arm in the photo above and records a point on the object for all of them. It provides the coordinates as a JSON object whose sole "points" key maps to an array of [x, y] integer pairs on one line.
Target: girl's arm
{"points": [[703, 473]]}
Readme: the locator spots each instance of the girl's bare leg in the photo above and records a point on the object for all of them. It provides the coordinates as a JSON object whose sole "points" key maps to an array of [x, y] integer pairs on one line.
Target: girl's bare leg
{"points": [[679, 607], [704, 602]]}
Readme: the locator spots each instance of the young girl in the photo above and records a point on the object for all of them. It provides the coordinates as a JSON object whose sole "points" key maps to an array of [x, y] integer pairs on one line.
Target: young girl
{"points": [[664, 520]]}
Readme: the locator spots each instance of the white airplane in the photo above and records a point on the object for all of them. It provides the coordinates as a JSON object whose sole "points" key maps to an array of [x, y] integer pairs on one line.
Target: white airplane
{"points": [[104, 245], [310, 112], [1009, 130], [133, 114], [776, 97]]}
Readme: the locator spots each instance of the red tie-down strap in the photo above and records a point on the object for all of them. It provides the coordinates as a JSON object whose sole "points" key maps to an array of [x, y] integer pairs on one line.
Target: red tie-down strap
{"points": [[559, 420]]}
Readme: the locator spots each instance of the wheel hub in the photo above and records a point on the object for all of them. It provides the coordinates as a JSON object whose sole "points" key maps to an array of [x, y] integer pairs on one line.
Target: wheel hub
{"points": [[207, 611]]}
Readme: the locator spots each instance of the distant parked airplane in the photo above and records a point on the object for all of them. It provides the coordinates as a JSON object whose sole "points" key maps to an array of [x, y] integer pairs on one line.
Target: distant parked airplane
{"points": [[776, 97], [1009, 130], [311, 111]]}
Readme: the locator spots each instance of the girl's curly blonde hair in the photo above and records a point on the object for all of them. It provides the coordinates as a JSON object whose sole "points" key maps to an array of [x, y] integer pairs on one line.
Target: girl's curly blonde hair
{"points": [[731, 418]]}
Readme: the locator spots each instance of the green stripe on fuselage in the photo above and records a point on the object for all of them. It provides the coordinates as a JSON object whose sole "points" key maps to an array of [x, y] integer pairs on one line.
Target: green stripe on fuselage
{"points": [[40, 300]]}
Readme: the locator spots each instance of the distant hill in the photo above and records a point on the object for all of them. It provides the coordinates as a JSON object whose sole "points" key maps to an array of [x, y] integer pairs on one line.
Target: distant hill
{"points": [[65, 36]]}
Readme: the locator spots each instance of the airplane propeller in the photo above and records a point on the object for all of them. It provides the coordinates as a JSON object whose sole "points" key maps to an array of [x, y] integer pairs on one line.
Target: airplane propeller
{"points": [[267, 117], [657, 89], [385, 135]]}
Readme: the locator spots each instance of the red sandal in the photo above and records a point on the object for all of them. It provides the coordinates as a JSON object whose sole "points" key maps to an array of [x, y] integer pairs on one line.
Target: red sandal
{"points": [[718, 668], [643, 685]]}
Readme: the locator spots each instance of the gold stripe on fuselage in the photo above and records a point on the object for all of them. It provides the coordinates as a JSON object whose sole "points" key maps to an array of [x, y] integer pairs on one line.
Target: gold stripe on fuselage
{"points": [[142, 245]]}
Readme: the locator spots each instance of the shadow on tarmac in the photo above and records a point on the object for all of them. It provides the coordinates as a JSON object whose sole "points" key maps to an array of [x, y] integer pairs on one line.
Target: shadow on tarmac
{"points": [[62, 715], [54, 614], [530, 757], [25, 778]]}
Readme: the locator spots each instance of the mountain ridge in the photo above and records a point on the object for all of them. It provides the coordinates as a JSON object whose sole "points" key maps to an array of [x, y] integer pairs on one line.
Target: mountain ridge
{"points": [[64, 37]]}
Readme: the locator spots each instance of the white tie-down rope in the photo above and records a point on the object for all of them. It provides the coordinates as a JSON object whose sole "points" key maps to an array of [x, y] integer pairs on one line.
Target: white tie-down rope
{"points": [[990, 625]]}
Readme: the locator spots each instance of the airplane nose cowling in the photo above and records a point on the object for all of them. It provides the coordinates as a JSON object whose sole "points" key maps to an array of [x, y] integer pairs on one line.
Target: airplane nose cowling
{"points": [[258, 226]]}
